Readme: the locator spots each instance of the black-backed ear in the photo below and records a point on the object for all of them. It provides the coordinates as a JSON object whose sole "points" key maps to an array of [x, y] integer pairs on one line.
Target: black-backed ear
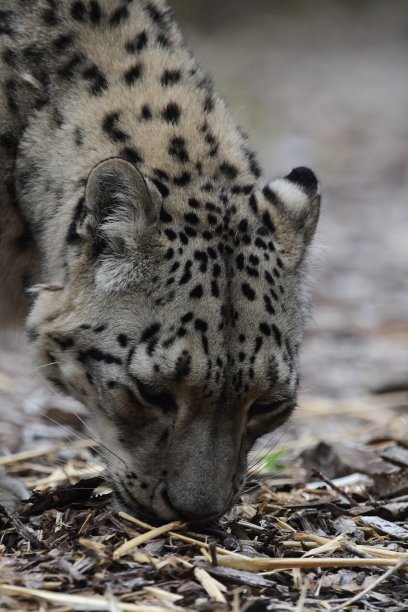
{"points": [[118, 205], [296, 206]]}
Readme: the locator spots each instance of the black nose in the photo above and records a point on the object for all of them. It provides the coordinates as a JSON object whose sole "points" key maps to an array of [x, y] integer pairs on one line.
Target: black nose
{"points": [[305, 178]]}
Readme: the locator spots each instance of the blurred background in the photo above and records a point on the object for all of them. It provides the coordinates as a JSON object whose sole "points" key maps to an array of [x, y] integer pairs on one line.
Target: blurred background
{"points": [[322, 83]]}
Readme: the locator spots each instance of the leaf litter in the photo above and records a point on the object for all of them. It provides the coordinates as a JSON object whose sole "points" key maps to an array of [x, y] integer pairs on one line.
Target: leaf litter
{"points": [[321, 526]]}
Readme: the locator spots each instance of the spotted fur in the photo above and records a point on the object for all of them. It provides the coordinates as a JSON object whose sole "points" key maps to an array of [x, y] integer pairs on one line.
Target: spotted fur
{"points": [[169, 274]]}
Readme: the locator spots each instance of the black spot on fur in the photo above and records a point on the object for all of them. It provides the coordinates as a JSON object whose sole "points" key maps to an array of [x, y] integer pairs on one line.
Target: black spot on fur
{"points": [[268, 305], [146, 113], [229, 170], [133, 74], [98, 355], [183, 366], [161, 174], [163, 41], [164, 191], [149, 332], [261, 244], [171, 235], [253, 203], [269, 194], [5, 23], [267, 221], [187, 273], [209, 104], [99, 328], [98, 81], [191, 218], [183, 238], [277, 334], [137, 44], [63, 42], [64, 343], [109, 126], [119, 16], [265, 329], [51, 15], [182, 180], [253, 164], [165, 217], [171, 113], [240, 261], [215, 290], [193, 203], [95, 13], [155, 15], [78, 11], [170, 77], [131, 155], [248, 292], [197, 292], [123, 340], [201, 325], [67, 70], [189, 316], [169, 254], [178, 150]]}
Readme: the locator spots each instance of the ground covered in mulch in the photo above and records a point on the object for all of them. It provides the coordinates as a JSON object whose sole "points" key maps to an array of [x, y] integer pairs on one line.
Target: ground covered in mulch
{"points": [[321, 526], [324, 522]]}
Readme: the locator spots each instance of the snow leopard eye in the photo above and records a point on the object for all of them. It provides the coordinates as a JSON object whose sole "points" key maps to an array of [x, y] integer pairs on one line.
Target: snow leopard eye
{"points": [[269, 407], [159, 398]]}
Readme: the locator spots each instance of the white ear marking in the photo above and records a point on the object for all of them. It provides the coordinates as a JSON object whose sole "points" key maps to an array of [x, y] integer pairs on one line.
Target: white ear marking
{"points": [[291, 194]]}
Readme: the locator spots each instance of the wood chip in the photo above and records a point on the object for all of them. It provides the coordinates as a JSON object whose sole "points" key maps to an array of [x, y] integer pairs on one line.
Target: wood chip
{"points": [[383, 526], [209, 584], [163, 595], [396, 454]]}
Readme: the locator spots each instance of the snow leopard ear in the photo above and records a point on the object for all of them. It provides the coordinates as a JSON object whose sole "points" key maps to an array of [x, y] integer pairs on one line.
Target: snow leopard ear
{"points": [[295, 207], [118, 206]]}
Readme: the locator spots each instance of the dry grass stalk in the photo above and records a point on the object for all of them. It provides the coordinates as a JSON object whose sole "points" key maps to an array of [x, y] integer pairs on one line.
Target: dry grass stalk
{"points": [[78, 601], [61, 474], [210, 585], [145, 537], [163, 595], [376, 551], [259, 564], [43, 452], [329, 546], [181, 537]]}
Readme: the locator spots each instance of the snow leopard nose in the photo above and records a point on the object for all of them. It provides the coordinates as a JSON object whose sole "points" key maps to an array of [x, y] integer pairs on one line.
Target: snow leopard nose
{"points": [[305, 178], [198, 511]]}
